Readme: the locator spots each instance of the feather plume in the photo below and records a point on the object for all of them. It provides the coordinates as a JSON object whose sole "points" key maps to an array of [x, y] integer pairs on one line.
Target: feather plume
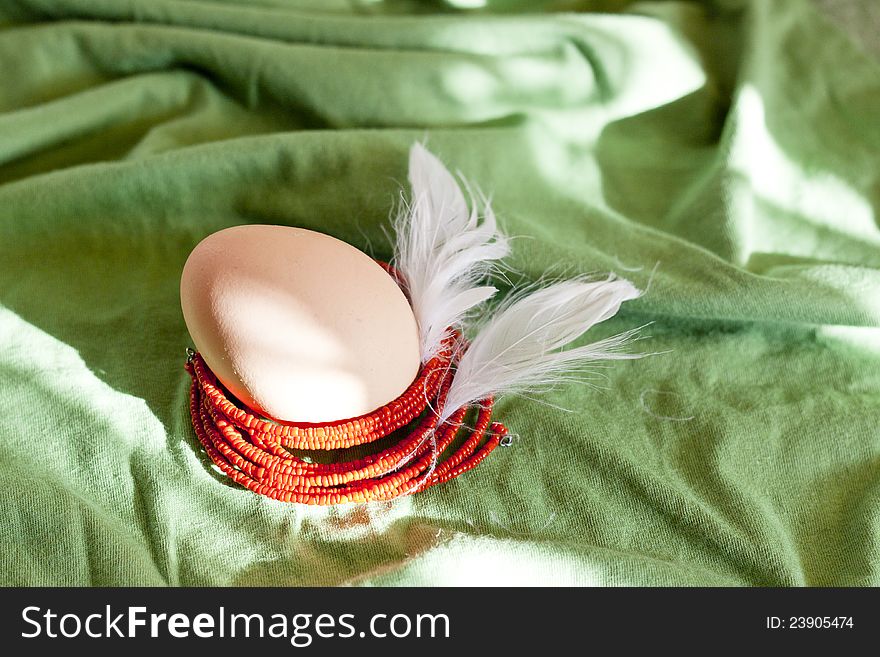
{"points": [[518, 349], [443, 250]]}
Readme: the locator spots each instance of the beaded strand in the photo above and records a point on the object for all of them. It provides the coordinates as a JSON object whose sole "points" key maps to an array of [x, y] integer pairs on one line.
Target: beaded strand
{"points": [[254, 452]]}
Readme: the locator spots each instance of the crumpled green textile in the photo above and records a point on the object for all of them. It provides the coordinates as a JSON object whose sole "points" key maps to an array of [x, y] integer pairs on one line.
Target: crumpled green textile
{"points": [[724, 156]]}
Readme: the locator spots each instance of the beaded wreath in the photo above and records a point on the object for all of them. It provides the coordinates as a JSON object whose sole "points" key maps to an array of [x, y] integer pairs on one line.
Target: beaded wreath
{"points": [[255, 452]]}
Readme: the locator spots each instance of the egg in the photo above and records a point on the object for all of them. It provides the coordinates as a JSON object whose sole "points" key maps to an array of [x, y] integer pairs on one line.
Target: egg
{"points": [[298, 325]]}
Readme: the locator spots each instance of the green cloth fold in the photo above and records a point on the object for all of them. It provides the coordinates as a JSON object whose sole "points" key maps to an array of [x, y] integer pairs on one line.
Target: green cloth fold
{"points": [[724, 156]]}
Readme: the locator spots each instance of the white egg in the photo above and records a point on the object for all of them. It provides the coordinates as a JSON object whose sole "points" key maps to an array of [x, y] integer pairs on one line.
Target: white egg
{"points": [[298, 325]]}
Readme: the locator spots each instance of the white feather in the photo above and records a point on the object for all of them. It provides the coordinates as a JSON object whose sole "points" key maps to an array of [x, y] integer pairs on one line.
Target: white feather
{"points": [[443, 250], [517, 350]]}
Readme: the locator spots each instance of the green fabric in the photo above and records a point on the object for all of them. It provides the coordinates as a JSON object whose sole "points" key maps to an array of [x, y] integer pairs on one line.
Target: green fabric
{"points": [[726, 153]]}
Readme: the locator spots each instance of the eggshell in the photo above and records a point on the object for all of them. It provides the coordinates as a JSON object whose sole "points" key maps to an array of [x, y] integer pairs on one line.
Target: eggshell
{"points": [[298, 325]]}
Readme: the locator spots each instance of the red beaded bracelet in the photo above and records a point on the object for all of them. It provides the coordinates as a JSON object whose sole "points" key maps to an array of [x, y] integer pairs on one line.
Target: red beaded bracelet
{"points": [[254, 451]]}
